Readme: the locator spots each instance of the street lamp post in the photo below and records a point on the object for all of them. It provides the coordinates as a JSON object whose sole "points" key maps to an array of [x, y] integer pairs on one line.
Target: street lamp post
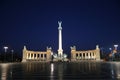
{"points": [[116, 46], [12, 54], [115, 50], [5, 47], [111, 52]]}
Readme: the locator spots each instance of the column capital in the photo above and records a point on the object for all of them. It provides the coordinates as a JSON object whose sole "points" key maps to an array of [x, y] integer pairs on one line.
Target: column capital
{"points": [[60, 23]]}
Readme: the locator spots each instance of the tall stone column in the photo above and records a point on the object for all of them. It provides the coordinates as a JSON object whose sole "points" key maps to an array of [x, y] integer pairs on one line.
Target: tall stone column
{"points": [[60, 50]]}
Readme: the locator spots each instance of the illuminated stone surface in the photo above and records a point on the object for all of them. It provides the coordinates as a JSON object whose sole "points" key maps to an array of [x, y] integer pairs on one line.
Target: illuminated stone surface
{"points": [[60, 50], [60, 71], [85, 55], [36, 55]]}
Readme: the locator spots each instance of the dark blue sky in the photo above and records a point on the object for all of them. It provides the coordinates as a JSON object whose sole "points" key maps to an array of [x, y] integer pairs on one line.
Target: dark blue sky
{"points": [[34, 23]]}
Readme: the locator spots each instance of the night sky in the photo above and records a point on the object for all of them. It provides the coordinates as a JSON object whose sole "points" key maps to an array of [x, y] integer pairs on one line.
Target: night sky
{"points": [[85, 23]]}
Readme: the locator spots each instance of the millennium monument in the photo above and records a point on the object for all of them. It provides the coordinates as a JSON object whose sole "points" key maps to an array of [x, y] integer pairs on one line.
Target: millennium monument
{"points": [[60, 56], [48, 55], [60, 50]]}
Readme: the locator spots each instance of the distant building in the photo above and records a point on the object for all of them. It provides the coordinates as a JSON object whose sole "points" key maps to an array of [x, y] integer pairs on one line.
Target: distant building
{"points": [[85, 55], [36, 55]]}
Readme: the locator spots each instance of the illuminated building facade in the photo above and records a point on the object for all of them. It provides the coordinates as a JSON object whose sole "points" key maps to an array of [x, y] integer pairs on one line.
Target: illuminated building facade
{"points": [[85, 55], [36, 55]]}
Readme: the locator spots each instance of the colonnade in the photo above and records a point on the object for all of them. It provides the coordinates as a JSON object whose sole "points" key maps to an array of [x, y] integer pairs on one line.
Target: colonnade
{"points": [[36, 56], [86, 56]]}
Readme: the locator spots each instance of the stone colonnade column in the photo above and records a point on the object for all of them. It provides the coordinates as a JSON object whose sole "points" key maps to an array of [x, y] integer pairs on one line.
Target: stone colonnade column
{"points": [[33, 56], [40, 56], [27, 56], [93, 55], [85, 56], [43, 57], [88, 55], [82, 55], [30, 55]]}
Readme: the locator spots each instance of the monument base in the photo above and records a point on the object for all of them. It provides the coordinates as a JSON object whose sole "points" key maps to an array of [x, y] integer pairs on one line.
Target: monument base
{"points": [[58, 59]]}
